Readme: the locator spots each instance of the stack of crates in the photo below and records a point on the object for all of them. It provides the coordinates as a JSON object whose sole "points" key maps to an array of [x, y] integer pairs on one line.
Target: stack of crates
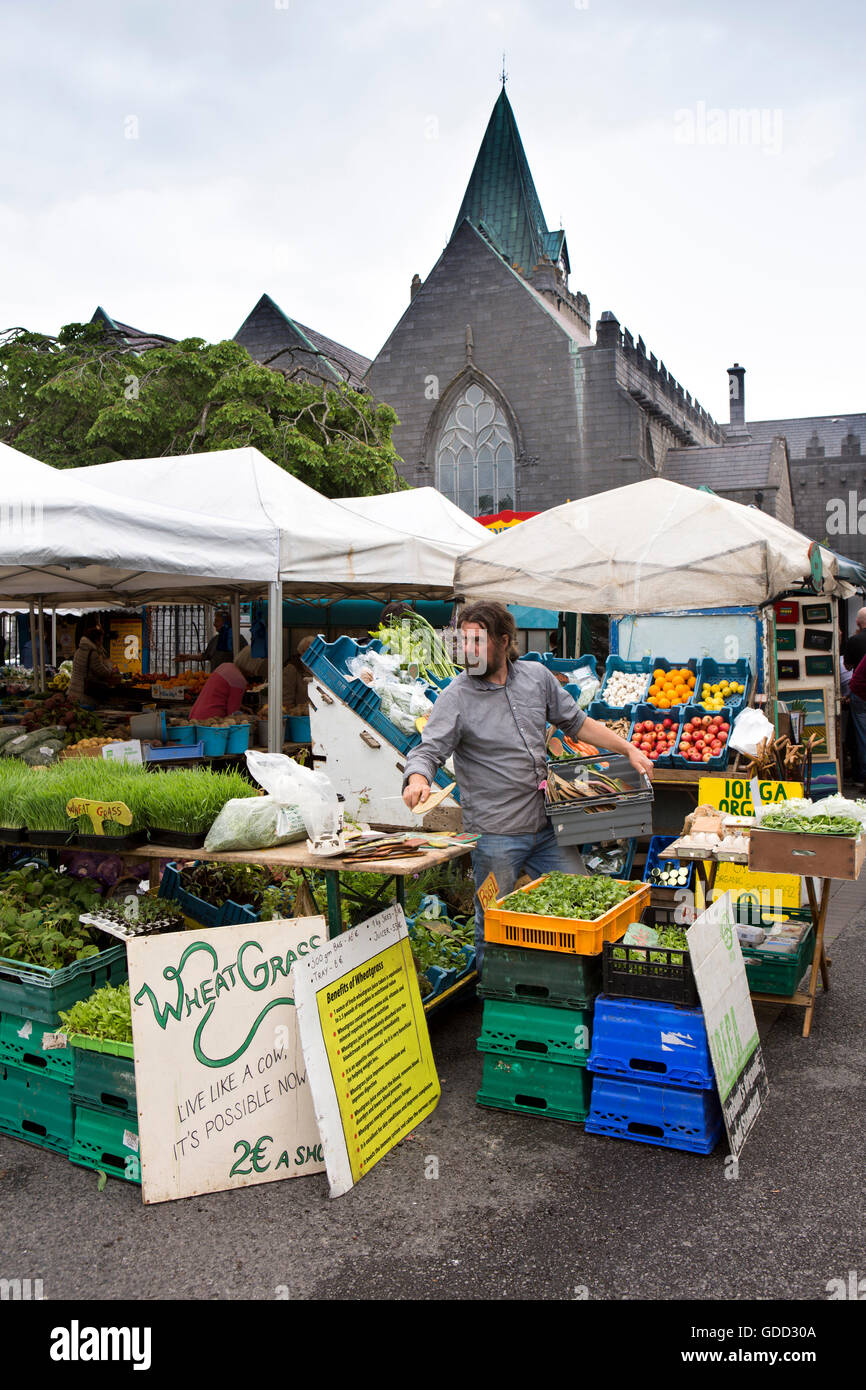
{"points": [[539, 984], [105, 1112], [36, 1063], [653, 1078]]}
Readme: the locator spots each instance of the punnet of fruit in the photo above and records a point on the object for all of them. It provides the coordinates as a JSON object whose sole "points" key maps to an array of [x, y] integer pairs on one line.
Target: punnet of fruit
{"points": [[670, 688], [703, 738], [655, 738]]}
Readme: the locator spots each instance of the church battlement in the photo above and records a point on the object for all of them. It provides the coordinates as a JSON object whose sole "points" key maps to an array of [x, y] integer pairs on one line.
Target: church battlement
{"points": [[610, 335]]}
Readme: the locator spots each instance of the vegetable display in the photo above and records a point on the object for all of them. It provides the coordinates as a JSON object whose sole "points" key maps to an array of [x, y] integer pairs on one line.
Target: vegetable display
{"points": [[713, 697], [586, 897], [39, 911], [416, 643], [703, 738], [655, 738], [141, 915], [625, 688], [810, 825], [106, 1015], [669, 688]]}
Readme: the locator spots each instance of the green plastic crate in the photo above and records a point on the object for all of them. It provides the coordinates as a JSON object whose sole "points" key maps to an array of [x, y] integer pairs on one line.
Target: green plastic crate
{"points": [[520, 975], [545, 1089], [21, 1046], [108, 1143], [104, 1076], [537, 1031], [35, 1108], [32, 991], [768, 972]]}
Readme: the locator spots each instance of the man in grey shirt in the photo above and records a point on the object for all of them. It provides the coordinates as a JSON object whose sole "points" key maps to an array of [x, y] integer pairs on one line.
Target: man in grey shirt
{"points": [[493, 718]]}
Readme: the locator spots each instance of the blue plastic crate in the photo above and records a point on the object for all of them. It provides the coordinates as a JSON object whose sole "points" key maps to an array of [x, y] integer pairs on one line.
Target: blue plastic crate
{"points": [[647, 1041], [227, 914], [328, 662], [563, 663], [178, 752], [668, 1116], [658, 716], [715, 764], [597, 709], [694, 664], [740, 671], [654, 861], [618, 663]]}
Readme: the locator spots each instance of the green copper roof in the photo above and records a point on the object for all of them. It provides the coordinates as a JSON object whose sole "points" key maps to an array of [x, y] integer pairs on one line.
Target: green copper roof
{"points": [[500, 198]]}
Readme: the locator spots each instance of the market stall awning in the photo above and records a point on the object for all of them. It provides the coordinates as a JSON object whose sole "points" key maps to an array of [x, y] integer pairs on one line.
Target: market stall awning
{"points": [[323, 547], [421, 511], [65, 540], [649, 547]]}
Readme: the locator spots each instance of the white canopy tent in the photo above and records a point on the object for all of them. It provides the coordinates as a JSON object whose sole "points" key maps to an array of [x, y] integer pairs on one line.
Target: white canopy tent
{"points": [[654, 546], [424, 512]]}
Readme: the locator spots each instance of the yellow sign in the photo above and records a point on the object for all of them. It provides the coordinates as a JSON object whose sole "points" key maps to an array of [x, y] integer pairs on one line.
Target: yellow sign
{"points": [[124, 648], [733, 795], [99, 812], [488, 893]]}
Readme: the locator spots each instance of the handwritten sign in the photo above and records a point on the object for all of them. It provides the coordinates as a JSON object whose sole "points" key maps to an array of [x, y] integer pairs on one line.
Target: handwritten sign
{"points": [[99, 812], [720, 975], [488, 893], [366, 1045], [222, 1087]]}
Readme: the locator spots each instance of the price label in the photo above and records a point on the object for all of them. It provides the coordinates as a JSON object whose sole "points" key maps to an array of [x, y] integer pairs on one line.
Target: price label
{"points": [[52, 1041], [488, 892], [99, 812]]}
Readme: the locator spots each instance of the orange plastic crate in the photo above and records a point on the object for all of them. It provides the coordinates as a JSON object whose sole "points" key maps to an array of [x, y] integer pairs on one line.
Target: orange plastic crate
{"points": [[507, 927]]}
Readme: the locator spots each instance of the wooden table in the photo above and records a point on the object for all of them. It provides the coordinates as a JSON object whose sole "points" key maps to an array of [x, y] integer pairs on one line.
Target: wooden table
{"points": [[706, 870], [297, 856]]}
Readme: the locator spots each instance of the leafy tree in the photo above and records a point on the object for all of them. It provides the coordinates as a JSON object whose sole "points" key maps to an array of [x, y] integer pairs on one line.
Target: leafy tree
{"points": [[88, 397]]}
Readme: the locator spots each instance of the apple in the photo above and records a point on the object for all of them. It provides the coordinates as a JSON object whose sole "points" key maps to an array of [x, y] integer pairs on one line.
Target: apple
{"points": [[667, 723], [717, 719]]}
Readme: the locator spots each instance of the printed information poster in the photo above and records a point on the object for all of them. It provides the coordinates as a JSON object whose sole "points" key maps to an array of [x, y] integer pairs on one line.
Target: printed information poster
{"points": [[720, 975], [366, 1045], [223, 1096]]}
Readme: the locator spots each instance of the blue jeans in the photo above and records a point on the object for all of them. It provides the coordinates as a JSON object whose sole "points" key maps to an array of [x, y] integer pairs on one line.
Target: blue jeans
{"points": [[506, 857], [857, 708]]}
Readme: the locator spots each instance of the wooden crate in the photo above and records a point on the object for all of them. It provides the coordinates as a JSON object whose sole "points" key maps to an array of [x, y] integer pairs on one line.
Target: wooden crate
{"points": [[813, 856]]}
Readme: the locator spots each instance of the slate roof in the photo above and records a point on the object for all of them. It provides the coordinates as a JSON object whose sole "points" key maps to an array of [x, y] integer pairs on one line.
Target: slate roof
{"points": [[136, 339], [830, 429], [269, 333], [500, 198], [724, 467]]}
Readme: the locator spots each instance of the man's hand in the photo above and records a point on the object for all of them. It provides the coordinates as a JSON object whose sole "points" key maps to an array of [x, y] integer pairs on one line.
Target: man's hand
{"points": [[640, 760], [416, 790]]}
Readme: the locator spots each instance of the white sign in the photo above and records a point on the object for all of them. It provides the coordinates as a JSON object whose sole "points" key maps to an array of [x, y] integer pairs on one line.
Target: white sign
{"points": [[366, 1045], [720, 975], [128, 752], [223, 1098]]}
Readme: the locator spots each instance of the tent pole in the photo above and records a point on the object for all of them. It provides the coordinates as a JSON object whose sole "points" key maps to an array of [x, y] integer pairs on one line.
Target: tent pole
{"points": [[54, 638], [276, 725], [236, 624], [33, 646], [41, 646]]}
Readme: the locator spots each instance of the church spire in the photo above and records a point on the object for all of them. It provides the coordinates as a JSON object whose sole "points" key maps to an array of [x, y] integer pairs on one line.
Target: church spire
{"points": [[500, 198]]}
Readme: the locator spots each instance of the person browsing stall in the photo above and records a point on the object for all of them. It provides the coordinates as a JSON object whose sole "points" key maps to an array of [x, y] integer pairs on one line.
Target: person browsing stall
{"points": [[93, 675], [493, 718], [224, 689]]}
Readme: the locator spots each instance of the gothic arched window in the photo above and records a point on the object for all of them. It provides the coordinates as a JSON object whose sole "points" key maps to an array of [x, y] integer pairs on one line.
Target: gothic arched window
{"points": [[475, 455]]}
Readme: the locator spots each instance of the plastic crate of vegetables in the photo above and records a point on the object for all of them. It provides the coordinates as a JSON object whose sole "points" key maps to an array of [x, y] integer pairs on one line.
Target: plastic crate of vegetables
{"points": [[662, 971], [206, 914], [625, 682], [566, 912]]}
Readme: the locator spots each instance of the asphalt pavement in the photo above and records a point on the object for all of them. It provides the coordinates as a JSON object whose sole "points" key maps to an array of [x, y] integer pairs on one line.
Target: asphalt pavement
{"points": [[484, 1204]]}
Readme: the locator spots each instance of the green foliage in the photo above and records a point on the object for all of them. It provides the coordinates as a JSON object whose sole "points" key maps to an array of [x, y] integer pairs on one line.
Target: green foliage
{"points": [[39, 911], [781, 819], [572, 895], [217, 883], [188, 801], [107, 1015], [83, 398]]}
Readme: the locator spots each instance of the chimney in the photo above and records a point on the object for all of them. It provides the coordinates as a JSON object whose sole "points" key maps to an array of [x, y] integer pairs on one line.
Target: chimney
{"points": [[415, 286], [607, 334], [737, 394]]}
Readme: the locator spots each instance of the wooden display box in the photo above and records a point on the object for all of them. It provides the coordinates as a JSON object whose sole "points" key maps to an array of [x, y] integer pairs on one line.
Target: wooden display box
{"points": [[812, 856]]}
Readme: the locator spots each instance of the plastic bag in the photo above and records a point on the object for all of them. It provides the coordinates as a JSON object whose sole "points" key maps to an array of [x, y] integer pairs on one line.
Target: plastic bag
{"points": [[588, 686], [251, 822], [402, 704], [376, 669], [300, 789], [749, 729]]}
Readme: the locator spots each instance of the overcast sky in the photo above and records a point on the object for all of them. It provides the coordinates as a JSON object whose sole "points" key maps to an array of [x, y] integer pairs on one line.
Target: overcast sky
{"points": [[172, 160]]}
